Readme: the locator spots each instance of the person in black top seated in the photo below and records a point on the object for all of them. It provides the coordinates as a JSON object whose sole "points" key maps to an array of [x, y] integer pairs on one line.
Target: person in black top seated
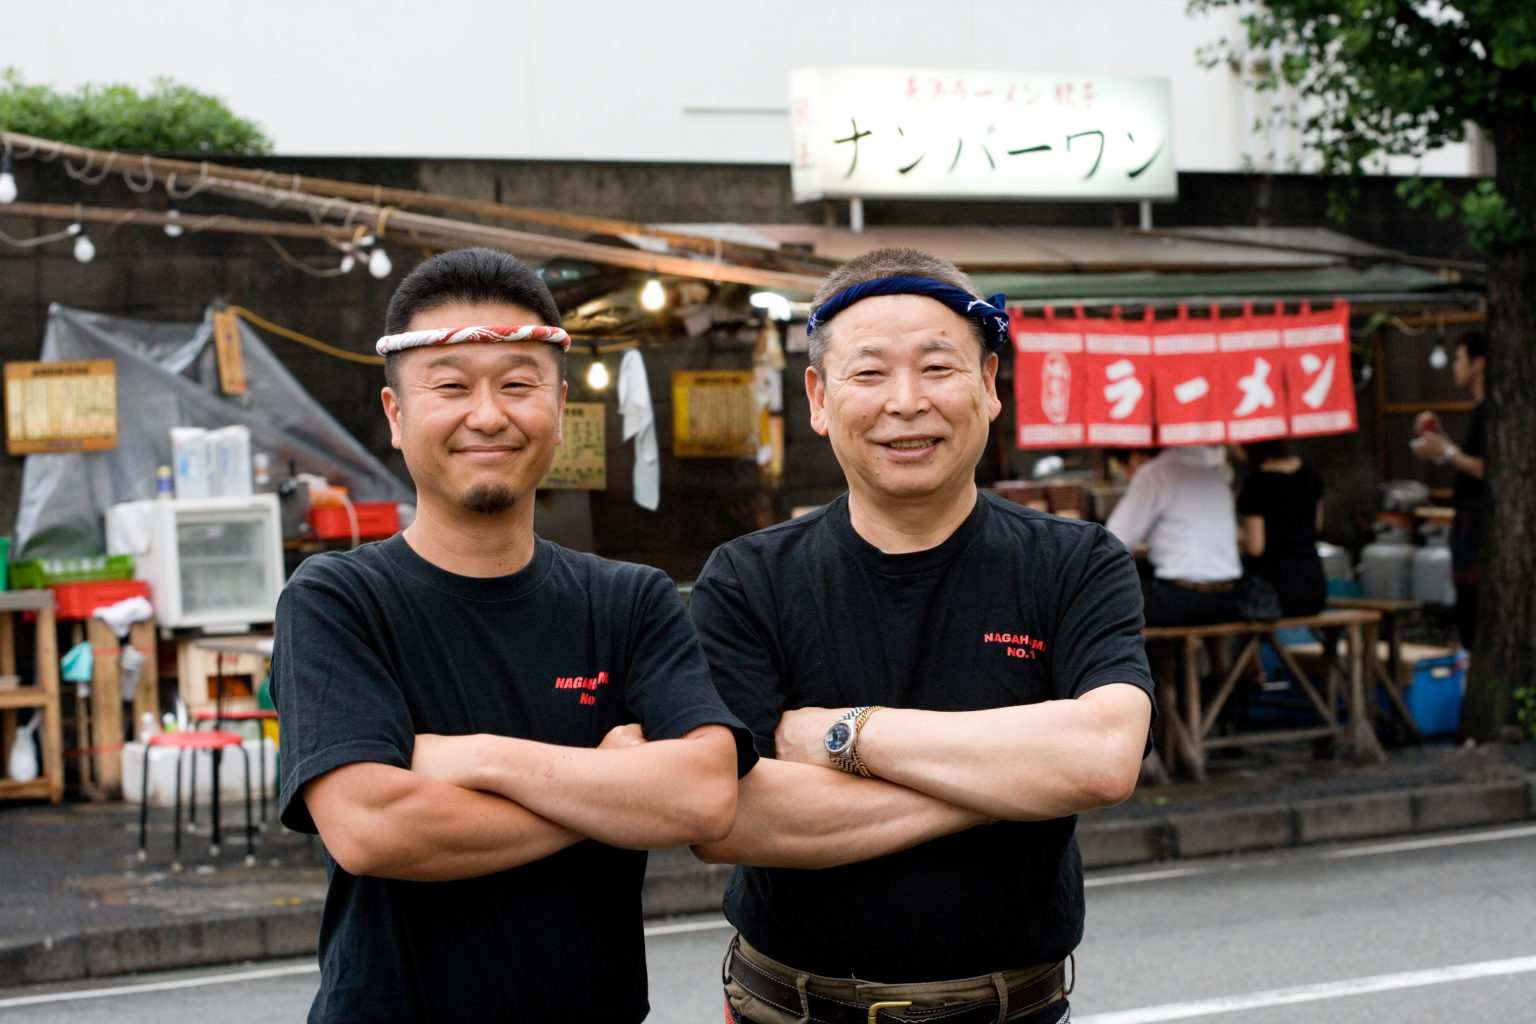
{"points": [[938, 680], [1280, 510]]}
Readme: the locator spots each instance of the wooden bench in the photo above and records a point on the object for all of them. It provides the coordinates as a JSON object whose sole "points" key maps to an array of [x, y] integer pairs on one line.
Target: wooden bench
{"points": [[1188, 716]]}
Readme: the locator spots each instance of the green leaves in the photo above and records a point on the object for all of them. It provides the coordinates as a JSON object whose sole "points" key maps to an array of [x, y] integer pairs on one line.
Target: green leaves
{"points": [[170, 118], [1366, 79]]}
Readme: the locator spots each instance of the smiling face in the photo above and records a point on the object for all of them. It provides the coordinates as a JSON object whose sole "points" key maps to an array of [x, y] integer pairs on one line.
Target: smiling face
{"points": [[905, 399], [477, 422]]}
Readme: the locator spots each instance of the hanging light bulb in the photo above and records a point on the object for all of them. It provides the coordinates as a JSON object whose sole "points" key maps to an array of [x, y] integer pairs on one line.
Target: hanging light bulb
{"points": [[348, 261], [172, 229], [85, 251], [378, 263], [1437, 357], [7, 179], [653, 296], [597, 375], [773, 305]]}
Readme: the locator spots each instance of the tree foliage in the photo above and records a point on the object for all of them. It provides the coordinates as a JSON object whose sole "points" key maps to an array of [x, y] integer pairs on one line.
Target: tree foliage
{"points": [[169, 118], [1402, 77], [1381, 78]]}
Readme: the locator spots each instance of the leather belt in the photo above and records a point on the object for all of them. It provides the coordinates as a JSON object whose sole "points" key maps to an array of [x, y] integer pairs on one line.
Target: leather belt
{"points": [[783, 991], [1223, 587]]}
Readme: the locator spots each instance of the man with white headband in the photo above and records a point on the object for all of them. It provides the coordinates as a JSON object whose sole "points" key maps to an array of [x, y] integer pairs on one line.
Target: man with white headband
{"points": [[488, 730], [937, 680]]}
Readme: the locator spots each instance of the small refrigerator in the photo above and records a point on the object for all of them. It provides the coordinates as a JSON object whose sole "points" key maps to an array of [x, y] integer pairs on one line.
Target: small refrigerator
{"points": [[214, 564]]}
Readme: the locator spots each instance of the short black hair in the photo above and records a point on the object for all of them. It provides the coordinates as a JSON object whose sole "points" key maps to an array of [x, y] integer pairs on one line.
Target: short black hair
{"points": [[1475, 342], [468, 276]]}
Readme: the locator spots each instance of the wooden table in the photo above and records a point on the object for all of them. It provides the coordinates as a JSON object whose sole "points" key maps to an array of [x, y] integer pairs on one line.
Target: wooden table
{"points": [[44, 694], [1188, 716], [1388, 672]]}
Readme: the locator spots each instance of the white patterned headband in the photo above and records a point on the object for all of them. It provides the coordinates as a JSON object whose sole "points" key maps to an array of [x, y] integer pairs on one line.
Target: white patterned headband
{"points": [[452, 335]]}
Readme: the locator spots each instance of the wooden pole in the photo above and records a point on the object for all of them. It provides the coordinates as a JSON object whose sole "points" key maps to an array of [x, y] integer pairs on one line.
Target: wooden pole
{"points": [[194, 175]]}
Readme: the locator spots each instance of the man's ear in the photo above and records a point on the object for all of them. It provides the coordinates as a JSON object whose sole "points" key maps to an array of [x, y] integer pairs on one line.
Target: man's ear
{"points": [[816, 393], [392, 413]]}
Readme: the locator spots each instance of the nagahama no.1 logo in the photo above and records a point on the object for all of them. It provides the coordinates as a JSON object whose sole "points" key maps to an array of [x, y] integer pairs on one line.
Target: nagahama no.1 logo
{"points": [[586, 684], [1016, 645]]}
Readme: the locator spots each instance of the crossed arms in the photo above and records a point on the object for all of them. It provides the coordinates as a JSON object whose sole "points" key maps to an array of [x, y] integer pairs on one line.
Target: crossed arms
{"points": [[936, 773], [473, 805]]}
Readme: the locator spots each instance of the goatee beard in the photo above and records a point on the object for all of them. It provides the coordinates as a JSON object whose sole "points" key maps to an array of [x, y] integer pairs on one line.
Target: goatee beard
{"points": [[488, 500]]}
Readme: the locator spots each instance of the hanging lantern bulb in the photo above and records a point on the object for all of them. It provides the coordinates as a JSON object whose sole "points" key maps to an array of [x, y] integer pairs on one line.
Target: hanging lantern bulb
{"points": [[597, 375], [1437, 357], [378, 263], [85, 251], [7, 179], [348, 261], [172, 229], [653, 296]]}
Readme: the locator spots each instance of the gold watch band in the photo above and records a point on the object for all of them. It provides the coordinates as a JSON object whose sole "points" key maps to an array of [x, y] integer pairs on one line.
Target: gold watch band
{"points": [[853, 750]]}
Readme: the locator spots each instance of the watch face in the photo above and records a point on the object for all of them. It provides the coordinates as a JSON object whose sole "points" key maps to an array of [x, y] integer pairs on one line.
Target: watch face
{"points": [[839, 737]]}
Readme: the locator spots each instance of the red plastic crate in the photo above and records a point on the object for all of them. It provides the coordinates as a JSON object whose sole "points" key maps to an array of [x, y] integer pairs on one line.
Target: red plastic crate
{"points": [[78, 600], [374, 519]]}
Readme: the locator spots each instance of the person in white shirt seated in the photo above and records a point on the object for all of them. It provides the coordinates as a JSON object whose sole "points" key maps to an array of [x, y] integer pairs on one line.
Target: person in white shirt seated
{"points": [[1180, 505]]}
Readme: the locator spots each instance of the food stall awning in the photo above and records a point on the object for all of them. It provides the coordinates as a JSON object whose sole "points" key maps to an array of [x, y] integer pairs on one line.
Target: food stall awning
{"points": [[1039, 266]]}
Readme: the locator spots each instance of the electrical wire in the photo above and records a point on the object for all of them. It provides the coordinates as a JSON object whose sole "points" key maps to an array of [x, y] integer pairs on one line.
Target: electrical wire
{"points": [[319, 346]]}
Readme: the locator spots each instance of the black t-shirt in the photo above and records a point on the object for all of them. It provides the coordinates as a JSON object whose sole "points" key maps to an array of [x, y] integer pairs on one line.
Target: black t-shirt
{"points": [[1015, 607], [377, 645], [1288, 504], [1467, 495]]}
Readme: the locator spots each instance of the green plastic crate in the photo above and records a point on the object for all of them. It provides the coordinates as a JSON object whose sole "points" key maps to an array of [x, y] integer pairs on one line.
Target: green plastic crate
{"points": [[45, 572]]}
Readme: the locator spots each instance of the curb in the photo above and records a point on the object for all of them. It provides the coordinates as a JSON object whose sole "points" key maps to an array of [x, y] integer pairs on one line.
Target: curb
{"points": [[1177, 835], [677, 884], [196, 942]]}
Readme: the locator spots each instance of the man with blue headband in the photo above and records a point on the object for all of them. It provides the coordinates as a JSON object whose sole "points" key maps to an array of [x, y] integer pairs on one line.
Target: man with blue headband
{"points": [[937, 681]]}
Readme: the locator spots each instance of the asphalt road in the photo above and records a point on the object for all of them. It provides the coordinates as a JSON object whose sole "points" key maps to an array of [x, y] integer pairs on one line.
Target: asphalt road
{"points": [[1424, 930]]}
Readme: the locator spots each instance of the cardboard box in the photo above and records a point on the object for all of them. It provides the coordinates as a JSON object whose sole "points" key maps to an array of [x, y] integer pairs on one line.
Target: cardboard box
{"points": [[197, 676]]}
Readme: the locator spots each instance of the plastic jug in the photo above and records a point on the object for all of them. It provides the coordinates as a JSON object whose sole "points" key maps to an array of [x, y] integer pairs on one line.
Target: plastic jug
{"points": [[23, 763]]}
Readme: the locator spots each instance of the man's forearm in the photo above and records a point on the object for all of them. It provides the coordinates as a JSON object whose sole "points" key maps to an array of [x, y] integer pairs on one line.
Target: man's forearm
{"points": [[805, 816], [644, 796], [387, 822], [1023, 763]]}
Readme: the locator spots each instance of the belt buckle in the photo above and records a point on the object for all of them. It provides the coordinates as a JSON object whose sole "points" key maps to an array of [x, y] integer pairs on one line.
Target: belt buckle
{"points": [[889, 1004]]}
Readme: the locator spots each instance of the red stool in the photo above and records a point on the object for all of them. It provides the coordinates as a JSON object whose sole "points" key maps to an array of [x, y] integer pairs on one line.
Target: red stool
{"points": [[213, 741], [219, 717]]}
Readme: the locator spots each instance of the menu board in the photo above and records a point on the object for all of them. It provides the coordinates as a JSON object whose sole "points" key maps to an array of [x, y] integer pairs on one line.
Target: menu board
{"points": [[60, 406], [581, 461], [713, 414]]}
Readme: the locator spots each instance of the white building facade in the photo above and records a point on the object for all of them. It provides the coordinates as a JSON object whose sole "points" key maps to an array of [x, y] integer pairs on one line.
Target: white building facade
{"points": [[695, 81]]}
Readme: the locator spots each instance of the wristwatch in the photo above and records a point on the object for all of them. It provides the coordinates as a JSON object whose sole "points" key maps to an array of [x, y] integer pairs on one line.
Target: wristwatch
{"points": [[842, 740]]}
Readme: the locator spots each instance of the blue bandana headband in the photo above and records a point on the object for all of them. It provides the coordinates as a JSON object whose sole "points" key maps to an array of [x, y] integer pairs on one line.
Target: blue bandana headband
{"points": [[992, 313]]}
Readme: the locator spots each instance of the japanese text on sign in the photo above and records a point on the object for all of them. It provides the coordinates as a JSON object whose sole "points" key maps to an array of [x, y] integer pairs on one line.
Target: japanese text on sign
{"points": [[60, 407], [870, 132], [1185, 380], [713, 414], [581, 458]]}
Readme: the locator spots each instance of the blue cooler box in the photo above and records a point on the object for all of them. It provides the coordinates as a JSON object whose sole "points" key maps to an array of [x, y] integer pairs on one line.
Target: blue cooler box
{"points": [[1434, 693]]}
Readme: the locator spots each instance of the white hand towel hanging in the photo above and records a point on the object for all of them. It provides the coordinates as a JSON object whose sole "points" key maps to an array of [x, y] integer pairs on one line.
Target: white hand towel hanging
{"points": [[640, 423]]}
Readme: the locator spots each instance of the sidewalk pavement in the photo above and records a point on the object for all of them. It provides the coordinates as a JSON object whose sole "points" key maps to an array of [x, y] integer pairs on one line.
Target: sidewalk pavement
{"points": [[75, 902]]}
